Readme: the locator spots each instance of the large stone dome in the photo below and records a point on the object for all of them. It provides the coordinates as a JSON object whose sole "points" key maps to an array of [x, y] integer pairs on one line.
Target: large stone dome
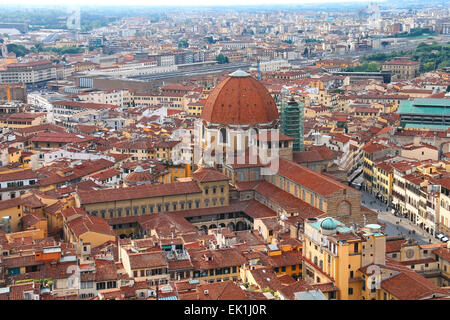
{"points": [[240, 100]]}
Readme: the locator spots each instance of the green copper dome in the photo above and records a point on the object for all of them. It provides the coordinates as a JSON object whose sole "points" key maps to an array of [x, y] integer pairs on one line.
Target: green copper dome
{"points": [[329, 224]]}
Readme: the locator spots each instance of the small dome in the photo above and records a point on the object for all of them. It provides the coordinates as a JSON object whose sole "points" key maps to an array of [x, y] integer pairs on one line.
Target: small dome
{"points": [[138, 176], [239, 73], [329, 224]]}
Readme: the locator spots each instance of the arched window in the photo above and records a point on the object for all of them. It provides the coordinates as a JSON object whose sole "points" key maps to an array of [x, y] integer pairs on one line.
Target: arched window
{"points": [[223, 135], [253, 133]]}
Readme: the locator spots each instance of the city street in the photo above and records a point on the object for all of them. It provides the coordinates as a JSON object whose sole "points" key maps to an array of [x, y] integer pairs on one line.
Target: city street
{"points": [[404, 225]]}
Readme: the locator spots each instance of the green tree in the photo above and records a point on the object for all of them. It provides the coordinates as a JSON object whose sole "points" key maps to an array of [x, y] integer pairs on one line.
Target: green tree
{"points": [[183, 44], [428, 66], [18, 49], [210, 40], [444, 64], [221, 58], [365, 67]]}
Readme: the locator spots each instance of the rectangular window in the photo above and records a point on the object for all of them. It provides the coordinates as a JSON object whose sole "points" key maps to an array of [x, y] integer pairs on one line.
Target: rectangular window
{"points": [[101, 285]]}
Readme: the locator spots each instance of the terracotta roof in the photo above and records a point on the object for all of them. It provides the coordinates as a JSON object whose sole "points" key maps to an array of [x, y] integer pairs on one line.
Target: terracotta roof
{"points": [[307, 156], [285, 259], [18, 175], [286, 200], [87, 105], [209, 175], [164, 224], [373, 147], [39, 128], [31, 219], [139, 192], [443, 253], [147, 260], [310, 179], [72, 211], [224, 290], [105, 174], [219, 258], [267, 136], [139, 176], [239, 100], [60, 137], [88, 223], [409, 285], [394, 245]]}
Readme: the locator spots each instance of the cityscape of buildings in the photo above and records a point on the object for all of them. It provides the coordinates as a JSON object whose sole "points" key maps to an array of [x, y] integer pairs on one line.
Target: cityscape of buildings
{"points": [[226, 153]]}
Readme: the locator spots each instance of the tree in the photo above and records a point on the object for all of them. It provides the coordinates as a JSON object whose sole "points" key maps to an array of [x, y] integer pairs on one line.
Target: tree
{"points": [[221, 58], [428, 66], [444, 64], [18, 49], [183, 44], [210, 40], [365, 67]]}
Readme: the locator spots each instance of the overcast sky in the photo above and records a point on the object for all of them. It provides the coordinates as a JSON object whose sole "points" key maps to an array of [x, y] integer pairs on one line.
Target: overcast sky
{"points": [[173, 2]]}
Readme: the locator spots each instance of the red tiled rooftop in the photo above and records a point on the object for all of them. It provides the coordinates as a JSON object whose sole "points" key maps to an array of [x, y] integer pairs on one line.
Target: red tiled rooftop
{"points": [[139, 192]]}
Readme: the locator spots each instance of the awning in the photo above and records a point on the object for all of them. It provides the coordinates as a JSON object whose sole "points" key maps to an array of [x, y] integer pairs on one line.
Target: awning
{"points": [[440, 235], [444, 239]]}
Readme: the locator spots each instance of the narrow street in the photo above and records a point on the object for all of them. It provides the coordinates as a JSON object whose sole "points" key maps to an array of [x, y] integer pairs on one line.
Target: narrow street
{"points": [[404, 226]]}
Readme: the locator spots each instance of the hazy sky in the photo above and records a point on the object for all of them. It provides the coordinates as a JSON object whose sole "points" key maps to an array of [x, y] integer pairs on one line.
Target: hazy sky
{"points": [[173, 2]]}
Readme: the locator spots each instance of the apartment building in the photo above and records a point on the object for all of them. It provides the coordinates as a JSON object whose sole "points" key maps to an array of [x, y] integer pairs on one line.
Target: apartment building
{"points": [[334, 254], [402, 68], [34, 73]]}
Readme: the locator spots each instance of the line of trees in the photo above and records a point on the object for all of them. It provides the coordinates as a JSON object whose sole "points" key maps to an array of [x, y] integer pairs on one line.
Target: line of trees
{"points": [[431, 56], [21, 51], [414, 32], [365, 67]]}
